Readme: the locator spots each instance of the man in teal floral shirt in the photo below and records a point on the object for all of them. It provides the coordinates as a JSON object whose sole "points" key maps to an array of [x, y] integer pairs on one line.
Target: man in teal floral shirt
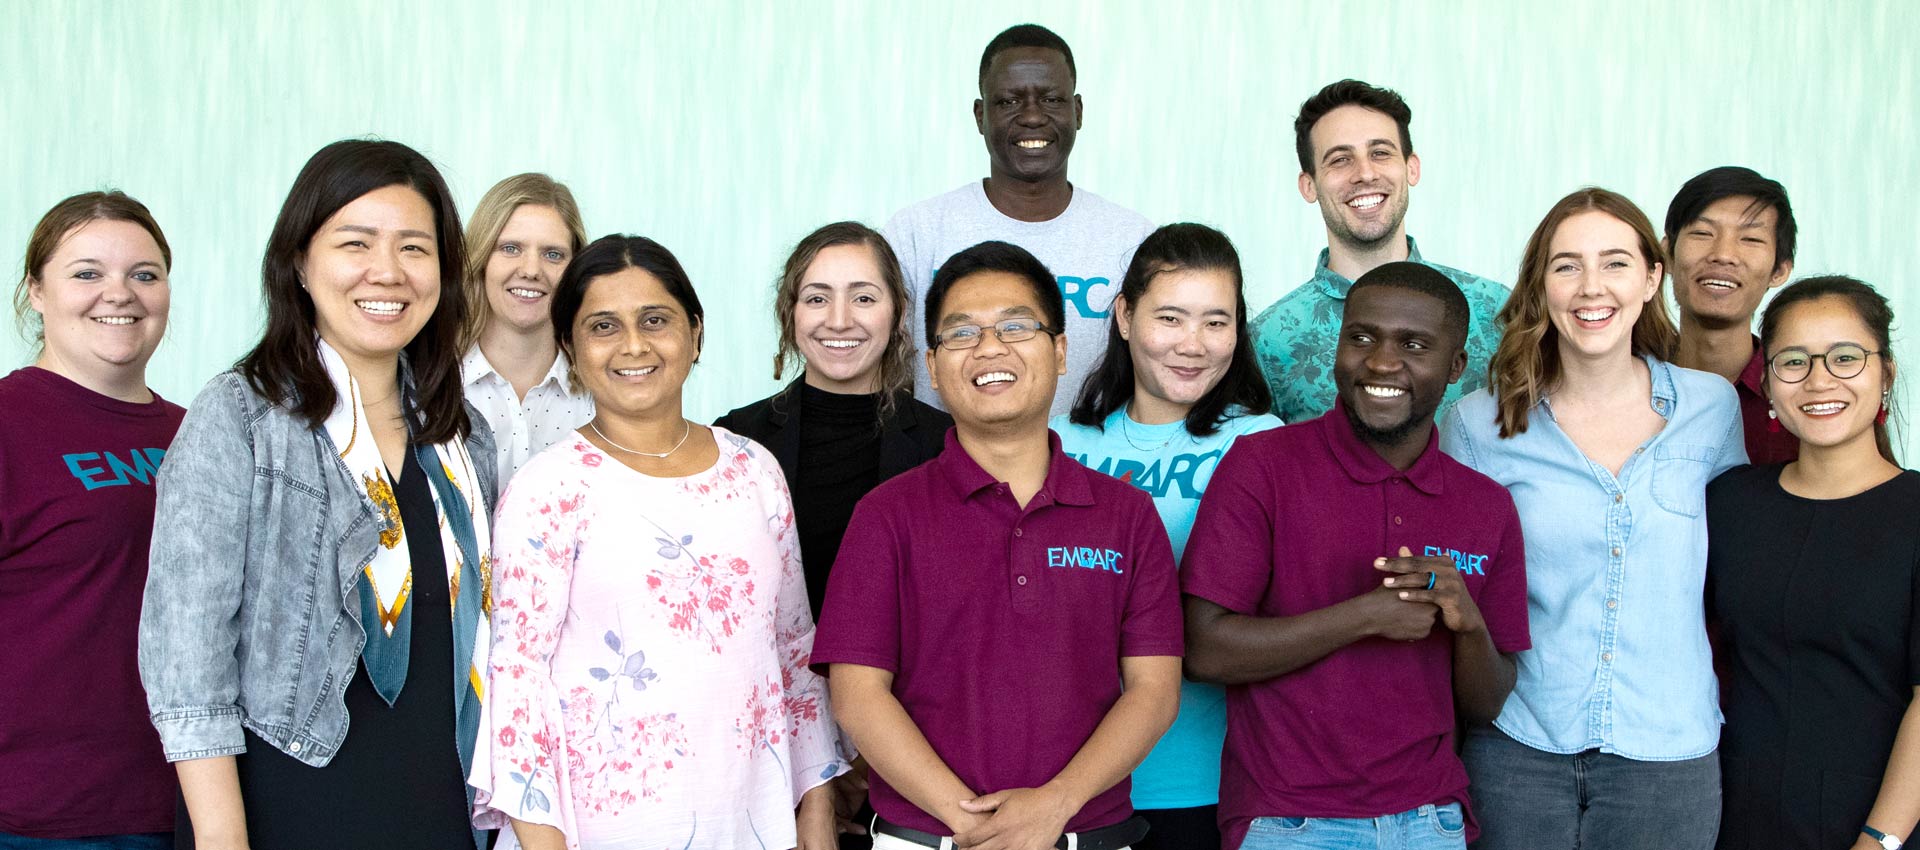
{"points": [[1357, 163]]}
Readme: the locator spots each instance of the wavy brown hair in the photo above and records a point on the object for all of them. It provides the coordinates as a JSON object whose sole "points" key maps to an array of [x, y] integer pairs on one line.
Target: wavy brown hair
{"points": [[54, 228], [1527, 363], [896, 362], [483, 233]]}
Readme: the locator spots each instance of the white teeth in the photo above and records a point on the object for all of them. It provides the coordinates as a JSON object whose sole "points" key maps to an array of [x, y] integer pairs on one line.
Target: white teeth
{"points": [[1367, 202], [1824, 407], [840, 343], [1382, 392], [1033, 144], [993, 378], [525, 293], [1718, 283], [635, 373], [1593, 315], [115, 320], [385, 308]]}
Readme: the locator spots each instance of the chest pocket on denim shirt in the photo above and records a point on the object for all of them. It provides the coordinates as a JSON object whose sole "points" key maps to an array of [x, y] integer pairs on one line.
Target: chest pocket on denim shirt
{"points": [[1680, 473]]}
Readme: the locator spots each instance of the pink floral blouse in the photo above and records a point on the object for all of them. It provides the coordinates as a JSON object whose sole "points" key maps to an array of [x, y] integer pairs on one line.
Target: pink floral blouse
{"points": [[649, 670]]}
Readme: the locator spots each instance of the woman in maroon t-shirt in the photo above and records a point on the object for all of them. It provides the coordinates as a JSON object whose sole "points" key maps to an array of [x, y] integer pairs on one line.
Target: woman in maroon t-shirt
{"points": [[81, 436]]}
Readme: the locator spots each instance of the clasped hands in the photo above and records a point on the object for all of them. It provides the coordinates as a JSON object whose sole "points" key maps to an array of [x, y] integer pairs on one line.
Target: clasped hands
{"points": [[1447, 597]]}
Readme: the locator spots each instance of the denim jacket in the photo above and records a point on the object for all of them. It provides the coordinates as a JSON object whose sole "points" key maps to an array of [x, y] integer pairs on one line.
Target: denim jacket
{"points": [[250, 618]]}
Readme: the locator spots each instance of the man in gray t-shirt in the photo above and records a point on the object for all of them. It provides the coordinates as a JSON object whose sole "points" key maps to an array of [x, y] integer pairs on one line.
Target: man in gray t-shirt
{"points": [[1028, 114]]}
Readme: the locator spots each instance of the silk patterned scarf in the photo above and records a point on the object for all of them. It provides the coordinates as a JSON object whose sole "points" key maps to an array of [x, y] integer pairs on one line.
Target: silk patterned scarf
{"points": [[386, 585]]}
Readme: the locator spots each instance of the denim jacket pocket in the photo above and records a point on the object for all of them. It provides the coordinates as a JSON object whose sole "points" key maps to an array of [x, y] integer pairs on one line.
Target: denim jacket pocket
{"points": [[1680, 473]]}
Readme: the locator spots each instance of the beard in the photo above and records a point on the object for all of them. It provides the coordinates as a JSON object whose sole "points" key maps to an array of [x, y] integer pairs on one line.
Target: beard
{"points": [[1332, 213], [1391, 435]]}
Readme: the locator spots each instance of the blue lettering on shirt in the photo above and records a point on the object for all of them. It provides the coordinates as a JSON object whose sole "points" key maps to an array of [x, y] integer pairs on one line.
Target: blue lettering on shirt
{"points": [[1086, 558], [106, 469], [1176, 479], [1469, 564], [1078, 292]]}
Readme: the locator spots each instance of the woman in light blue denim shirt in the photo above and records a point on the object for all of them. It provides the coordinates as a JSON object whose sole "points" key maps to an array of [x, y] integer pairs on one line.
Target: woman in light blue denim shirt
{"points": [[1607, 741], [314, 627]]}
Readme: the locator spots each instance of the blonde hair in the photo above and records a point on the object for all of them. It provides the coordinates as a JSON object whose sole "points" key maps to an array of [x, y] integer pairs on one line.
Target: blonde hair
{"points": [[483, 230], [1527, 363]]}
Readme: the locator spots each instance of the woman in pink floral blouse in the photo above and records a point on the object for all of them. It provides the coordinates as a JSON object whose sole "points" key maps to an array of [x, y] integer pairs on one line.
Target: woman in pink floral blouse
{"points": [[649, 681]]}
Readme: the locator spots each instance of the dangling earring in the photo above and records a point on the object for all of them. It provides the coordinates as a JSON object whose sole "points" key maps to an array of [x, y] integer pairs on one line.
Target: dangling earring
{"points": [[1881, 419], [1773, 419]]}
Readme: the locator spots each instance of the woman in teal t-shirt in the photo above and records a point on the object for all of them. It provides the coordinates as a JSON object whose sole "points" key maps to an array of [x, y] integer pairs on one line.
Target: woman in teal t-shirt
{"points": [[1177, 385]]}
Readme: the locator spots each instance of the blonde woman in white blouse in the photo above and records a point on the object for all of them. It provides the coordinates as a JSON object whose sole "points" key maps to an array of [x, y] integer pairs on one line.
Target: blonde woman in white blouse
{"points": [[520, 239]]}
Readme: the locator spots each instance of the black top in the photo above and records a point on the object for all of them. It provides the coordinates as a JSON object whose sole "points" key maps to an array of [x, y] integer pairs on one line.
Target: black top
{"points": [[832, 455], [396, 781], [1816, 602]]}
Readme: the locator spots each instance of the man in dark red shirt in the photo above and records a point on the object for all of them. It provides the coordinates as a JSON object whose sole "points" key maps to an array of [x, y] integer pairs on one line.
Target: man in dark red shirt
{"points": [[1730, 234], [1002, 625], [1352, 584]]}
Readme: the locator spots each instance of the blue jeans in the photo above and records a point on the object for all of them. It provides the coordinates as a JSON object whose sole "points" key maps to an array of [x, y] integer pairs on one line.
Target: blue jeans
{"points": [[1429, 827], [143, 841], [1529, 799]]}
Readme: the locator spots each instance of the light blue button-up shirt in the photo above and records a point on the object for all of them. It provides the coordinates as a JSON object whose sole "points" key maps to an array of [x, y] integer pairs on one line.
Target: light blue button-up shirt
{"points": [[1616, 570]]}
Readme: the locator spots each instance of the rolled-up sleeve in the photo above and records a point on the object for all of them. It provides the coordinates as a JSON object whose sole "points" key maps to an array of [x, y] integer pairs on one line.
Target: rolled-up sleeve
{"points": [[189, 618]]}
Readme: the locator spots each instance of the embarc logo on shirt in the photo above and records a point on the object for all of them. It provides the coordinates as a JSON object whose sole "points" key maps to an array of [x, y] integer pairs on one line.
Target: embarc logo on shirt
{"points": [[1468, 564], [1086, 558]]}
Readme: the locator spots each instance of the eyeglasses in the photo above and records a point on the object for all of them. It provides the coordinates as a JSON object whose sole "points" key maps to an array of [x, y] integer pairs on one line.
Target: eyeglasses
{"points": [[961, 337], [1844, 361]]}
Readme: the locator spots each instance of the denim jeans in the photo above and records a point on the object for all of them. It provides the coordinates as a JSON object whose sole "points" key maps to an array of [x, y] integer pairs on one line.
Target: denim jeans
{"points": [[142, 841], [1429, 827], [1536, 800]]}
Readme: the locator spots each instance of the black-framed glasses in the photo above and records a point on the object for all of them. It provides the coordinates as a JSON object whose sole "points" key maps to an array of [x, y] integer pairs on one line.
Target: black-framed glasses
{"points": [[961, 337], [1843, 361]]}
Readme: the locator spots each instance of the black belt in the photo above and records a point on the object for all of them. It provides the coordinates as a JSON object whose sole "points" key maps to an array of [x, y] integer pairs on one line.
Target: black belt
{"points": [[1120, 835]]}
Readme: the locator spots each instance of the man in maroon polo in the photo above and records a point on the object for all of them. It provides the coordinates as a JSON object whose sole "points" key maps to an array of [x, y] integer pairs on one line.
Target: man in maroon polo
{"points": [[1002, 626], [1351, 584]]}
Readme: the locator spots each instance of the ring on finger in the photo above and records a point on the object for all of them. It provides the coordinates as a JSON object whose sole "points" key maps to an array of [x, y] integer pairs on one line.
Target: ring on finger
{"points": [[1432, 579]]}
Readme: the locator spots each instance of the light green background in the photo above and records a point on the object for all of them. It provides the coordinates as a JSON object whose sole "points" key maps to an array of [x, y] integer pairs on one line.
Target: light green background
{"points": [[729, 130]]}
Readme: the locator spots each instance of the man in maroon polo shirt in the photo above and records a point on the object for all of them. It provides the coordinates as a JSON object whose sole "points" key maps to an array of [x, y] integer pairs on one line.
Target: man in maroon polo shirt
{"points": [[1351, 584], [1002, 626], [1731, 235]]}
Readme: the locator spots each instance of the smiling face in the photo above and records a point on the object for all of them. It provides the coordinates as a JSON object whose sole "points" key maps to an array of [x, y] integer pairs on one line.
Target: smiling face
{"points": [[843, 319], [633, 345], [1181, 337], [533, 249], [373, 274], [1724, 262], [1823, 410], [1395, 359], [996, 385], [103, 298], [1028, 114], [1598, 280], [1361, 176]]}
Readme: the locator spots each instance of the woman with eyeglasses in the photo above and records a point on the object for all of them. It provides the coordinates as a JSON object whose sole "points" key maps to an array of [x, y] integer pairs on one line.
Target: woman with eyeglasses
{"points": [[1814, 576]]}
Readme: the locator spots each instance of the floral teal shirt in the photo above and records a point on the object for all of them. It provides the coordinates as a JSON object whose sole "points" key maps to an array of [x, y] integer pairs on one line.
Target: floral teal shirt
{"points": [[1295, 338]]}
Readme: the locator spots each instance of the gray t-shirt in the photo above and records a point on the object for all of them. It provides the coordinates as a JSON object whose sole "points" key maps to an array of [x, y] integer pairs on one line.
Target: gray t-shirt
{"points": [[1087, 248]]}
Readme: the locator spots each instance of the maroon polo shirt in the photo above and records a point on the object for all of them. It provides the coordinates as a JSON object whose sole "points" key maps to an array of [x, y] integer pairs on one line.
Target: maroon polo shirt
{"points": [[1767, 442], [1292, 523], [1004, 627]]}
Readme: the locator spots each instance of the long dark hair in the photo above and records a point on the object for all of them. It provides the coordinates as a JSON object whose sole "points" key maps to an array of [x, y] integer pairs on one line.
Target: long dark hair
{"points": [[1177, 247], [285, 366], [1874, 312]]}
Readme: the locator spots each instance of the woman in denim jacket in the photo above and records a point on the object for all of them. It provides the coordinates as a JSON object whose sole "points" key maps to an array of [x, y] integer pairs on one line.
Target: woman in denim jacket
{"points": [[1607, 741], [315, 621]]}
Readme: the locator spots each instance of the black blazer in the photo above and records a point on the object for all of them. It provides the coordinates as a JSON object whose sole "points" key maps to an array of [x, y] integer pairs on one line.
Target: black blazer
{"points": [[913, 435]]}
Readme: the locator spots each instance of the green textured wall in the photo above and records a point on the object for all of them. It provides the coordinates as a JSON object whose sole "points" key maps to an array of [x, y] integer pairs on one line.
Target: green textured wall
{"points": [[727, 130]]}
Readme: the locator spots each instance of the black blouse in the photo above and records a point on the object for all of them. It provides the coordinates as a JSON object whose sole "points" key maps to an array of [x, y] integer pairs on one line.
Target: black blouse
{"points": [[1816, 602]]}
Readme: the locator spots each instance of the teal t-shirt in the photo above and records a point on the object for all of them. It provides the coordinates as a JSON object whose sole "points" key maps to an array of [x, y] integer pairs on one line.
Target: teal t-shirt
{"points": [[1294, 340], [1174, 467]]}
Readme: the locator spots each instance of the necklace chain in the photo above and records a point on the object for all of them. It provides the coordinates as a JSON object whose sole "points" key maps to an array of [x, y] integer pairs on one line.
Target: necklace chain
{"points": [[1126, 432], [684, 434]]}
